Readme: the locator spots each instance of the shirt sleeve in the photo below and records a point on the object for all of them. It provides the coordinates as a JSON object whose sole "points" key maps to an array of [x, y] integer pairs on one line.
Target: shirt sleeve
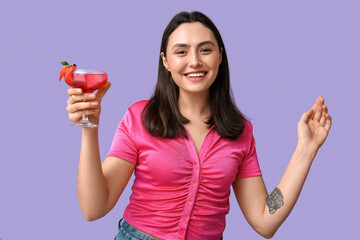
{"points": [[249, 166], [123, 145]]}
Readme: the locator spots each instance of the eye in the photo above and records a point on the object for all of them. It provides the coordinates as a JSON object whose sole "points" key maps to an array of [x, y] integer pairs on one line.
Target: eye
{"points": [[180, 52], [206, 50]]}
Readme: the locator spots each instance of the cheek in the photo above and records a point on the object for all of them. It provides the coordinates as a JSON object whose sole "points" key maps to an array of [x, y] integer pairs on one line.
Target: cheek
{"points": [[176, 78], [176, 64], [215, 66], [216, 63]]}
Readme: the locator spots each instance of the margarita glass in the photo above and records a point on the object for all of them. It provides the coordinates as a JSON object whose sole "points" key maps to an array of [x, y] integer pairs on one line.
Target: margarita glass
{"points": [[89, 81]]}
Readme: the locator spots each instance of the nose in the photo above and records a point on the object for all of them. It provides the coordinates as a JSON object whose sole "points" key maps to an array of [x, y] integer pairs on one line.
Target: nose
{"points": [[195, 60]]}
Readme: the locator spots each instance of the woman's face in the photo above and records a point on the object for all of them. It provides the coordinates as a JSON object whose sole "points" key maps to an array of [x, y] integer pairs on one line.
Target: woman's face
{"points": [[193, 57]]}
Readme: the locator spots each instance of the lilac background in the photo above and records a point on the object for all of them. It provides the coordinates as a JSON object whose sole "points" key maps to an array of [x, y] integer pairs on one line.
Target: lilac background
{"points": [[282, 55]]}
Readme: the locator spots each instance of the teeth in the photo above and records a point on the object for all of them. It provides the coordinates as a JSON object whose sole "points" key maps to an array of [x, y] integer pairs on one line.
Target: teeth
{"points": [[194, 75]]}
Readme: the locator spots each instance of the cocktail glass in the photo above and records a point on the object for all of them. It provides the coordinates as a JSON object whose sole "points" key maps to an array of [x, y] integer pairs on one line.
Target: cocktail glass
{"points": [[89, 81]]}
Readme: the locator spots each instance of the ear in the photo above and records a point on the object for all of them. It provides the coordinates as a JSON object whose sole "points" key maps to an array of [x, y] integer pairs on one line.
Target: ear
{"points": [[165, 62], [221, 52]]}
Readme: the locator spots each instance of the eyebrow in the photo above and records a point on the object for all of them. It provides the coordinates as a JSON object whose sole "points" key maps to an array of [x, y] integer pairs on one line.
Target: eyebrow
{"points": [[200, 44]]}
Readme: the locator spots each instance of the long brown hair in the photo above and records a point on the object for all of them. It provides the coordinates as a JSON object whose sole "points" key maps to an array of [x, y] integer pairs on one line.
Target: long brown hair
{"points": [[161, 115]]}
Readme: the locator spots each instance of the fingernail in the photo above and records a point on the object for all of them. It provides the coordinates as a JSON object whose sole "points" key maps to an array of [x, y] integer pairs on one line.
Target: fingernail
{"points": [[94, 103]]}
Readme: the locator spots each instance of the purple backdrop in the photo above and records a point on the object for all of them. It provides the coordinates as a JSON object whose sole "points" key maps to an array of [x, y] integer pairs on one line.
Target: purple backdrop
{"points": [[282, 55]]}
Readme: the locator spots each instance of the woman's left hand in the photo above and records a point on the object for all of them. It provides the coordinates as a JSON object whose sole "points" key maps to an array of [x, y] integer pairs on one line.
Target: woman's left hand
{"points": [[314, 125]]}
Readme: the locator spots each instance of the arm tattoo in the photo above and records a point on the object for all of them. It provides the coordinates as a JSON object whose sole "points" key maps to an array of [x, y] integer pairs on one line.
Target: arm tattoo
{"points": [[275, 200]]}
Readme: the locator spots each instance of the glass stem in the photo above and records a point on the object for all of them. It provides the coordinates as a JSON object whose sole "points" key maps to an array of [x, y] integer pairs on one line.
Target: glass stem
{"points": [[84, 117]]}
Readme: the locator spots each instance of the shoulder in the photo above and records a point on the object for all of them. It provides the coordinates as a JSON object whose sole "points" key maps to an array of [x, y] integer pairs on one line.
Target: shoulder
{"points": [[246, 138], [138, 106], [133, 113], [248, 129]]}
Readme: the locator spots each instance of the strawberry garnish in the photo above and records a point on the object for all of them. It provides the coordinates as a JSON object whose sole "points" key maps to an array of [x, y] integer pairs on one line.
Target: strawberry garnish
{"points": [[67, 71], [69, 74], [62, 72]]}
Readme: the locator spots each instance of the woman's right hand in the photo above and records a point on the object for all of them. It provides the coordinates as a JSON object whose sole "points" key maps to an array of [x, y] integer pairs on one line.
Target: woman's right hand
{"points": [[92, 106]]}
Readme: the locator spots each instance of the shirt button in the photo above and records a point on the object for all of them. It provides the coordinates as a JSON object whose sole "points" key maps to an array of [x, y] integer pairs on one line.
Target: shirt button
{"points": [[182, 232], [190, 202], [194, 185]]}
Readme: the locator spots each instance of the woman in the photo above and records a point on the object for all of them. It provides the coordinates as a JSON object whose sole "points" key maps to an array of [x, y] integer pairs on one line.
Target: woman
{"points": [[188, 144]]}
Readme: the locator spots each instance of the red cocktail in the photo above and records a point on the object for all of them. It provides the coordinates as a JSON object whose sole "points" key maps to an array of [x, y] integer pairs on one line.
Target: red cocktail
{"points": [[88, 80]]}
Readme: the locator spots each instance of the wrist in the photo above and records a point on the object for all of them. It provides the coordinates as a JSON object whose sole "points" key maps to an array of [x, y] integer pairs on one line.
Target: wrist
{"points": [[307, 149], [88, 131]]}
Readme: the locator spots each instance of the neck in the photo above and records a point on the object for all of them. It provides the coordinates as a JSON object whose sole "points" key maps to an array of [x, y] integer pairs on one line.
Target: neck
{"points": [[193, 106]]}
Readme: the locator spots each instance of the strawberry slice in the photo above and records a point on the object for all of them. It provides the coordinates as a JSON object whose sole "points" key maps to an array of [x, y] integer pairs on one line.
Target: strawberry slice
{"points": [[69, 74], [62, 72]]}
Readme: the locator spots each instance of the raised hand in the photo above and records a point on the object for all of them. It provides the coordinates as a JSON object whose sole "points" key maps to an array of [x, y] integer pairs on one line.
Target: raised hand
{"points": [[77, 104], [314, 125]]}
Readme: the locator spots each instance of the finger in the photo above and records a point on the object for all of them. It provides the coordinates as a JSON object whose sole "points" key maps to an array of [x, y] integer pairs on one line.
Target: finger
{"points": [[328, 122], [317, 114], [73, 91], [101, 92], [80, 106], [318, 101], [323, 115], [306, 116], [81, 98], [76, 117], [93, 112]]}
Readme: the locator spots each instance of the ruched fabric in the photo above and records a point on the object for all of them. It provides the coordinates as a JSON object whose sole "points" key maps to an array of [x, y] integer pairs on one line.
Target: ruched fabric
{"points": [[179, 193]]}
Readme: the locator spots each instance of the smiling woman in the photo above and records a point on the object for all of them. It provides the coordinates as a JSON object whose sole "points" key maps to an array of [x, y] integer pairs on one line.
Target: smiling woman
{"points": [[188, 145], [194, 63], [193, 69]]}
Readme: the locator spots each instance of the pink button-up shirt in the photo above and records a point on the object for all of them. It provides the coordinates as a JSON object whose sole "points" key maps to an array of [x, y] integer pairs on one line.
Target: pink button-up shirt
{"points": [[178, 193]]}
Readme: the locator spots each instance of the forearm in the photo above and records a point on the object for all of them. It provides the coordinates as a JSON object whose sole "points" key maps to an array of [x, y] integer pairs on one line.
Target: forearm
{"points": [[266, 213], [91, 184], [282, 200]]}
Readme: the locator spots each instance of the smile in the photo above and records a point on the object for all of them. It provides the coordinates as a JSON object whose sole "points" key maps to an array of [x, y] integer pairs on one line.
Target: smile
{"points": [[196, 75]]}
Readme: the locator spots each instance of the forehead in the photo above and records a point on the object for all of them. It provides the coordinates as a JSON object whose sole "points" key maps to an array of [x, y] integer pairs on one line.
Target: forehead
{"points": [[191, 33]]}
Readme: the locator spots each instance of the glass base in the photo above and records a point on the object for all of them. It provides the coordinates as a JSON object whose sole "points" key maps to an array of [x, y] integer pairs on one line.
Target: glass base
{"points": [[85, 123]]}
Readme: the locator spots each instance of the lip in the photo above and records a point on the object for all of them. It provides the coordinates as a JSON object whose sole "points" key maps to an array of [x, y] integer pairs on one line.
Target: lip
{"points": [[198, 79], [196, 72]]}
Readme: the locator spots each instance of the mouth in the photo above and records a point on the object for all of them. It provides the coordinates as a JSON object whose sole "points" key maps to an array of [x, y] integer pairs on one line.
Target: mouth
{"points": [[195, 76]]}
